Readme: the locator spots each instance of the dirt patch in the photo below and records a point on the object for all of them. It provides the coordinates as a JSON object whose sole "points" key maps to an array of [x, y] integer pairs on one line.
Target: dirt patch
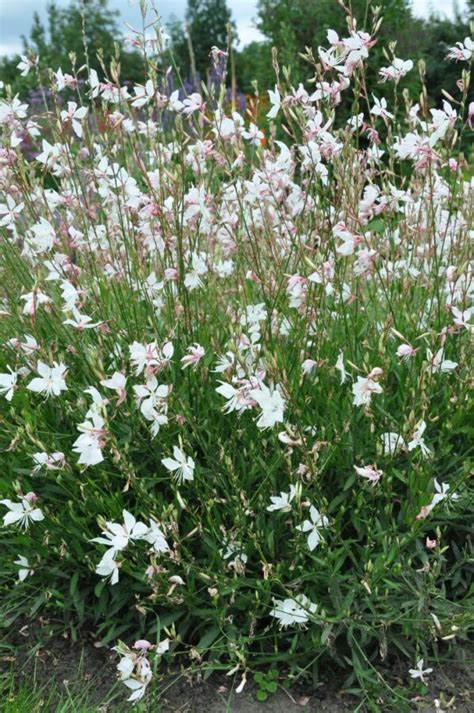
{"points": [[38, 655]]}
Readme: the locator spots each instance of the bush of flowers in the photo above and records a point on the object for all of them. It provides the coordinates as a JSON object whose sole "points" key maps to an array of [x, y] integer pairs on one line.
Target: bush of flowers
{"points": [[235, 375]]}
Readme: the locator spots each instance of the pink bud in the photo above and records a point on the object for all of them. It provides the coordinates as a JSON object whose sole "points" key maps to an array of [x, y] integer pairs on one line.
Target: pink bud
{"points": [[142, 644]]}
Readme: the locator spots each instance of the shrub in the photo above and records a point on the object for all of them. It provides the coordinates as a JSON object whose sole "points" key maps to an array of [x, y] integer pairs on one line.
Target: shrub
{"points": [[236, 407]]}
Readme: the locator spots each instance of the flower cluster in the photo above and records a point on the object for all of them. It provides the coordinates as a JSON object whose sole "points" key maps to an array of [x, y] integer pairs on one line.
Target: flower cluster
{"points": [[238, 347]]}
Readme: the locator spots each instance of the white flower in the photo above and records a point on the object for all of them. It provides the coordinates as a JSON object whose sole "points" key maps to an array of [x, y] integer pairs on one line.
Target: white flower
{"points": [[143, 94], [293, 611], [174, 104], [8, 383], [370, 472], [275, 101], [392, 442], [405, 352], [118, 536], [339, 365], [50, 381], [419, 672], [89, 444], [75, 116], [108, 567], [238, 399], [156, 538], [192, 103], [134, 667], [363, 390], [271, 403], [313, 526], [439, 363], [181, 465], [282, 501], [192, 279], [81, 321], [25, 569], [22, 513], [153, 404], [441, 492], [150, 356], [44, 459], [196, 353], [25, 64], [396, 70], [462, 52], [417, 439], [380, 108], [117, 381]]}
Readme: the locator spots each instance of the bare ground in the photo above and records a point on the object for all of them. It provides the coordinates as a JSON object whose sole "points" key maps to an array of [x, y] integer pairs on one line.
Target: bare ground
{"points": [[83, 666]]}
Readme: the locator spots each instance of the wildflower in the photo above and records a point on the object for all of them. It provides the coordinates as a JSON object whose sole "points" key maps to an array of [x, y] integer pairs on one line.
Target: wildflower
{"points": [[90, 443], [143, 94], [25, 64], [117, 536], [441, 492], [25, 569], [33, 300], [417, 439], [313, 525], [430, 544], [275, 101], [192, 279], [462, 318], [462, 51], [392, 442], [396, 70], [364, 388], [50, 381], [155, 537], [108, 567], [271, 403], [55, 461], [192, 103], [293, 611], [339, 365], [308, 365], [22, 513], [380, 108], [439, 363], [405, 352], [238, 399], [81, 321], [10, 212], [134, 668], [149, 356], [181, 465], [370, 472], [174, 104], [8, 383], [283, 501], [419, 672], [152, 398], [75, 116], [117, 382], [196, 353]]}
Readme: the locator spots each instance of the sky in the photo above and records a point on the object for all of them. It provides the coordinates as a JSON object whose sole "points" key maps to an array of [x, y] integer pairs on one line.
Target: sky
{"points": [[16, 16]]}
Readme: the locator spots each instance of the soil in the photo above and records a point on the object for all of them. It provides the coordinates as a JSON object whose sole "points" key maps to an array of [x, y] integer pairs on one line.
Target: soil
{"points": [[83, 666]]}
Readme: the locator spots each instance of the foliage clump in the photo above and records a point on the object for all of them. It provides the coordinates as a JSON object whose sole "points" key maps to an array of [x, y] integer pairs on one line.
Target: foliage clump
{"points": [[235, 375]]}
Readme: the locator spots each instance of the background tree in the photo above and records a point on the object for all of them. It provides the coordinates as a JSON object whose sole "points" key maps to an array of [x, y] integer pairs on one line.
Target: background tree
{"points": [[66, 31], [206, 25]]}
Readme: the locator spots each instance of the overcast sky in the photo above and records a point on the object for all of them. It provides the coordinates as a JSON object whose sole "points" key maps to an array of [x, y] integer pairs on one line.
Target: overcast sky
{"points": [[16, 16]]}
